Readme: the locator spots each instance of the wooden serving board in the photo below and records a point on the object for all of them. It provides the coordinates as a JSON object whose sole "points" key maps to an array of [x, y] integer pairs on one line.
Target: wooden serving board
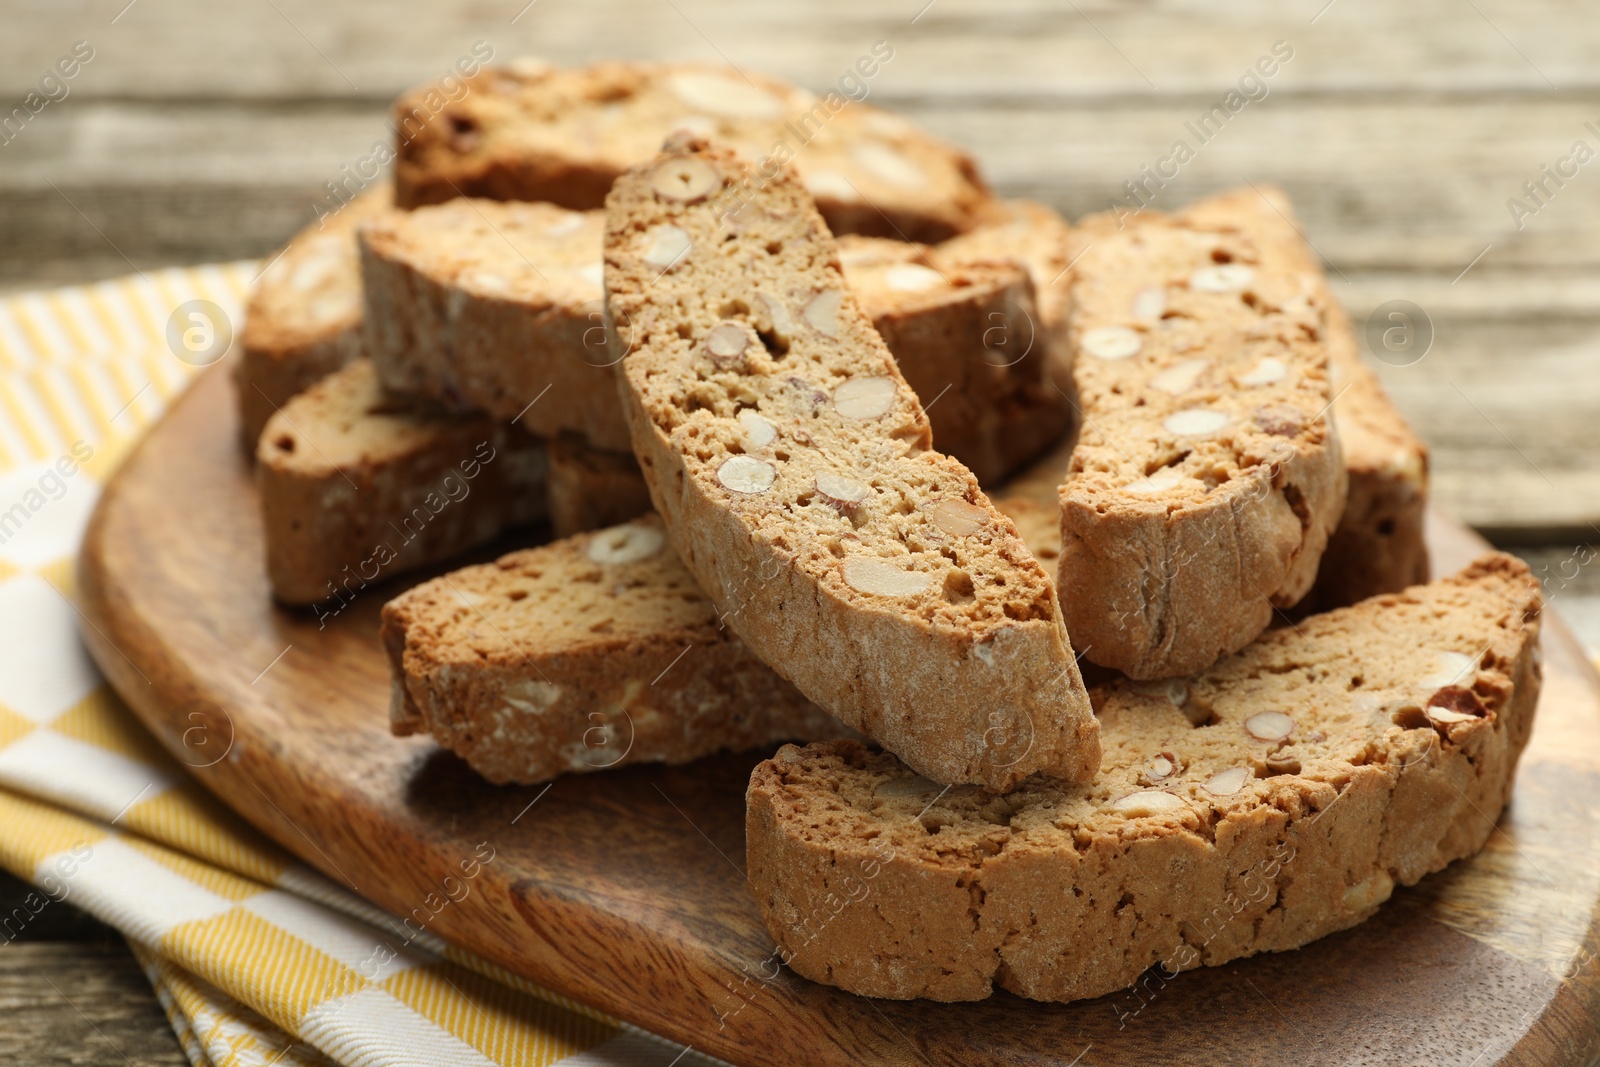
{"points": [[624, 890]]}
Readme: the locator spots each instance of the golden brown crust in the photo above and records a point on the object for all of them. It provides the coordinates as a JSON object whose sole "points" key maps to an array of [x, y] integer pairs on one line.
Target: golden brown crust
{"points": [[1040, 240], [596, 651], [565, 135], [791, 463], [1207, 835], [357, 487]]}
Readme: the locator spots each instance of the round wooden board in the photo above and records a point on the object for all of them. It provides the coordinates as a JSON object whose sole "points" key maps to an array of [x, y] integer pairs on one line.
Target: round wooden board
{"points": [[624, 890]]}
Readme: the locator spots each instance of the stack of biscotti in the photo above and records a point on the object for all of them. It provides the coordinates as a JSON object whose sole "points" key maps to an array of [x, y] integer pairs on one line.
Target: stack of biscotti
{"points": [[357, 483], [437, 320], [451, 288]]}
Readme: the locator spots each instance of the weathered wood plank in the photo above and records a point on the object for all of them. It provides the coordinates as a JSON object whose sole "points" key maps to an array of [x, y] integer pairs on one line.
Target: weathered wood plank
{"points": [[952, 49], [1379, 185], [81, 1004]]}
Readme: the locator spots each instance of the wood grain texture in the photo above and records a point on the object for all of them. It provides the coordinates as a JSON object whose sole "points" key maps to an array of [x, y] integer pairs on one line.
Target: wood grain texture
{"points": [[87, 1004], [625, 890]]}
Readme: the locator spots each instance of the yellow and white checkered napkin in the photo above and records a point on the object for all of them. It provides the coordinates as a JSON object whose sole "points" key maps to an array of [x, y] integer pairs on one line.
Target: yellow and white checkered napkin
{"points": [[256, 958]]}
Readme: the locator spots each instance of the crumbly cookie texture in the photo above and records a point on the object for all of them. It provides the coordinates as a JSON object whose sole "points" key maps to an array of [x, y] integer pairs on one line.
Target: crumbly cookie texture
{"points": [[792, 465], [528, 131], [969, 337], [591, 488], [303, 318], [592, 652], [495, 307], [1207, 476], [357, 486], [1277, 797]]}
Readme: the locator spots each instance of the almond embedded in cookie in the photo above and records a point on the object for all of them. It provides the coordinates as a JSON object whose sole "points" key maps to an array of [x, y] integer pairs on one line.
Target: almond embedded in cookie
{"points": [[948, 648]]}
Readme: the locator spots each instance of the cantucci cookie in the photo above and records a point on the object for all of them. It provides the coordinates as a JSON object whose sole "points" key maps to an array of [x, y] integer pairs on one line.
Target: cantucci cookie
{"points": [[591, 488], [1207, 475], [302, 321], [1277, 797], [534, 132], [792, 465], [1378, 546], [357, 487], [496, 307], [593, 652]]}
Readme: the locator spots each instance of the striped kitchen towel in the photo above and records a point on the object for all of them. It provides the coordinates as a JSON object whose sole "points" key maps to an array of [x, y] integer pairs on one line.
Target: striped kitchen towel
{"points": [[256, 958]]}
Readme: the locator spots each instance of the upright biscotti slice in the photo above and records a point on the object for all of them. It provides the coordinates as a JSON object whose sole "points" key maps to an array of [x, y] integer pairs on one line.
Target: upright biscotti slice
{"points": [[1207, 475], [303, 318], [592, 652], [357, 486], [534, 132], [496, 307], [1277, 797], [591, 488], [1378, 546], [792, 465]]}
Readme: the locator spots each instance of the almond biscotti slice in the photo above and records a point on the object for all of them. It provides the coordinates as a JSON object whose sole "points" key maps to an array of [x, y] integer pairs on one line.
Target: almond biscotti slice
{"points": [[792, 465], [1275, 798], [357, 486], [494, 307], [303, 318], [1207, 475], [591, 488], [592, 652], [596, 651], [529, 131]]}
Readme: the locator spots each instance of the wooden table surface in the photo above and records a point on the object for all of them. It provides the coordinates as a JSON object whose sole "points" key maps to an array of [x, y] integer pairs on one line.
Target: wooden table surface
{"points": [[199, 131]]}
